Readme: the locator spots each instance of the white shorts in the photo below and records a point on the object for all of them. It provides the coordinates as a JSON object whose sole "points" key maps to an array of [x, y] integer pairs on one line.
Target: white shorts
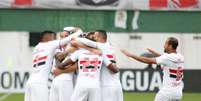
{"points": [[163, 97], [61, 90], [36, 92], [111, 93], [87, 93]]}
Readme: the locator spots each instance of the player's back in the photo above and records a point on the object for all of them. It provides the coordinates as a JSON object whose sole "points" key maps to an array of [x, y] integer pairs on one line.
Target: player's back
{"points": [[89, 66], [42, 62], [173, 73]]}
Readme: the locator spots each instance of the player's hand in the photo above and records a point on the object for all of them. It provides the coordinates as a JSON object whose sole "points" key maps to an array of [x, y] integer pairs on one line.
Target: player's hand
{"points": [[125, 52], [153, 52], [57, 72]]}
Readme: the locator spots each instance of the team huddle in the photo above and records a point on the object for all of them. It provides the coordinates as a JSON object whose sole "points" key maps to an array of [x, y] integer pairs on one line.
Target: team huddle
{"points": [[84, 68]]}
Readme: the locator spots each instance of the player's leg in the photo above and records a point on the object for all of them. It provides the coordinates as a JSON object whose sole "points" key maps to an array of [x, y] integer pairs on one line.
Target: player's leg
{"points": [[106, 94], [110, 93], [39, 92], [120, 94], [161, 97], [65, 90], [80, 94], [54, 94], [27, 94], [94, 94]]}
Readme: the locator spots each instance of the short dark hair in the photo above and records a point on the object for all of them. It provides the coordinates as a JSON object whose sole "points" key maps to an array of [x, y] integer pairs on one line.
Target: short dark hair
{"points": [[45, 33], [90, 34], [103, 33], [173, 42]]}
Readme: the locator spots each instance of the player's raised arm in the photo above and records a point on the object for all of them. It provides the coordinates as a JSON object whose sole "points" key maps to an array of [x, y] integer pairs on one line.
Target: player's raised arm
{"points": [[75, 33], [156, 54], [139, 58], [85, 41], [81, 45]]}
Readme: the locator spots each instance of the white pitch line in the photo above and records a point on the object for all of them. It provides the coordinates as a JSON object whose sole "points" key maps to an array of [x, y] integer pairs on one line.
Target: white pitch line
{"points": [[2, 98]]}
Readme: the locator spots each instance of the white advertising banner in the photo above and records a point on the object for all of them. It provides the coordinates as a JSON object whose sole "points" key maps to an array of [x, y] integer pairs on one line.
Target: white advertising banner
{"points": [[13, 80], [104, 4]]}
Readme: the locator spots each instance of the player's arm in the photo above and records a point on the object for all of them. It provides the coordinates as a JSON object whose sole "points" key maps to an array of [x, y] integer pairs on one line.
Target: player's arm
{"points": [[66, 40], [111, 66], [86, 42], [81, 45], [60, 56], [139, 58], [65, 64], [69, 69], [73, 58], [76, 32], [154, 52]]}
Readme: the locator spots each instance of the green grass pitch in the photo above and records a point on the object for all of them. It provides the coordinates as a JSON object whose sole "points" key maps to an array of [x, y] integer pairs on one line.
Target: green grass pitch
{"points": [[127, 97]]}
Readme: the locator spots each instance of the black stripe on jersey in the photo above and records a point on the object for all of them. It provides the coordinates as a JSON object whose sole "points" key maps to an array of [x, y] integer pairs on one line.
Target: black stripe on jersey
{"points": [[113, 61], [50, 79], [39, 64], [173, 76], [90, 67]]}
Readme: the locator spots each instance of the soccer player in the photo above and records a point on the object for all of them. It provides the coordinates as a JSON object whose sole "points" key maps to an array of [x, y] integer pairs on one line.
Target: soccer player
{"points": [[43, 54], [111, 89], [172, 65], [62, 85]]}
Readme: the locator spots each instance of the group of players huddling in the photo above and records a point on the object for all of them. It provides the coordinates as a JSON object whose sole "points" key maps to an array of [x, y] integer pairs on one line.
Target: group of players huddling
{"points": [[86, 58], [84, 68]]}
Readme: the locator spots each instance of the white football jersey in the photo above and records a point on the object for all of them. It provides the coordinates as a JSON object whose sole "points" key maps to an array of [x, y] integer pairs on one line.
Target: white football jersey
{"points": [[107, 77], [43, 55], [172, 65], [89, 66]]}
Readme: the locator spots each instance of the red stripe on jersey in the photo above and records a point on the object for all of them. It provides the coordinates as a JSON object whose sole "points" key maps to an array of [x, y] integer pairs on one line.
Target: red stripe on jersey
{"points": [[110, 56], [40, 58], [82, 62], [172, 71], [93, 62], [175, 71]]}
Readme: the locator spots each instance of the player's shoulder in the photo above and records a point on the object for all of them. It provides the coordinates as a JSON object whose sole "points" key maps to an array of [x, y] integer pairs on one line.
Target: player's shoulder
{"points": [[175, 57], [108, 47]]}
